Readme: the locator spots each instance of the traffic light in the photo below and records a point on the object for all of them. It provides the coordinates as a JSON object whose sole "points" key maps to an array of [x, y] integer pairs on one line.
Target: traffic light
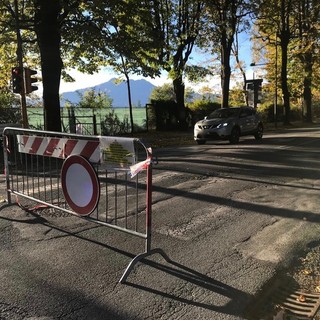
{"points": [[17, 80], [28, 73], [254, 89], [250, 86]]}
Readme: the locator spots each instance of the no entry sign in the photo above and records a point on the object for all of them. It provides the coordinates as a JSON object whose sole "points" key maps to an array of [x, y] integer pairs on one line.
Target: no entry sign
{"points": [[80, 184]]}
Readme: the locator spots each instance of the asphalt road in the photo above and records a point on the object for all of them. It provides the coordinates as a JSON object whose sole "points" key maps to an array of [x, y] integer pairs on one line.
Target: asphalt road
{"points": [[229, 216]]}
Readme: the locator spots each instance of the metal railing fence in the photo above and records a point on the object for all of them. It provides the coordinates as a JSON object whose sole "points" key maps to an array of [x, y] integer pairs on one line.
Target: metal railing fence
{"points": [[35, 163]]}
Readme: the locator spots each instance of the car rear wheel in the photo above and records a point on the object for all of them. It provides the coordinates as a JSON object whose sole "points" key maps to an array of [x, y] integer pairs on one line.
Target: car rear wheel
{"points": [[201, 141], [258, 135], [234, 136]]}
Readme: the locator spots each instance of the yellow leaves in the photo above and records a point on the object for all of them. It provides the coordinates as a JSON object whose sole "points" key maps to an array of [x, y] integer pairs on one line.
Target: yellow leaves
{"points": [[301, 298], [306, 272]]}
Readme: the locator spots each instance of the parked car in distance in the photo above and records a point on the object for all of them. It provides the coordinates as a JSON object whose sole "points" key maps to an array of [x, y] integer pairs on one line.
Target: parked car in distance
{"points": [[229, 124]]}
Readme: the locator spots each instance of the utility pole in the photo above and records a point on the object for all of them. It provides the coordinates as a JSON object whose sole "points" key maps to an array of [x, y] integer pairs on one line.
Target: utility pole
{"points": [[20, 65]]}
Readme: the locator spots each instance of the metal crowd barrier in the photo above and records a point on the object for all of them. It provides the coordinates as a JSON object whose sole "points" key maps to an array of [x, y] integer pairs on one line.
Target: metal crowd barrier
{"points": [[106, 180]]}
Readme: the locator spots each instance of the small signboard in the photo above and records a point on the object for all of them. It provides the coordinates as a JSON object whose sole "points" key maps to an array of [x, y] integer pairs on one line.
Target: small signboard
{"points": [[80, 185]]}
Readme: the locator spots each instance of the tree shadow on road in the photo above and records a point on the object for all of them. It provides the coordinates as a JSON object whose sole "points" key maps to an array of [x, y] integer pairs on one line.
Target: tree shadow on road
{"points": [[216, 296], [231, 300]]}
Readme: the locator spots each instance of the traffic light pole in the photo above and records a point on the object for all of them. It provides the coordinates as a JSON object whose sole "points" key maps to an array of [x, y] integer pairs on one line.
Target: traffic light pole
{"points": [[20, 63]]}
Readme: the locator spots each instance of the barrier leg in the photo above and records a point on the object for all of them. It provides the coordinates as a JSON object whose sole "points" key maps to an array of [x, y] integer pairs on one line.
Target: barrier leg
{"points": [[148, 250], [139, 258]]}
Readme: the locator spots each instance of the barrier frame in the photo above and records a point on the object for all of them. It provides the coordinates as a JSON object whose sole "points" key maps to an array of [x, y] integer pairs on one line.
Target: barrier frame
{"points": [[13, 132]]}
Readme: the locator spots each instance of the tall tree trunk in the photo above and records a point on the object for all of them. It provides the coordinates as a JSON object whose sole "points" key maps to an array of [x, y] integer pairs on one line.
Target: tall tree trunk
{"points": [[284, 80], [225, 84], [126, 75], [307, 82], [130, 101], [48, 34], [235, 51], [178, 87], [225, 70], [285, 38]]}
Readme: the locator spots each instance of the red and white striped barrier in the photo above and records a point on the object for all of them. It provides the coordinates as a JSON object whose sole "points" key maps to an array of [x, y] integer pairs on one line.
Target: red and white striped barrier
{"points": [[112, 151], [94, 192], [59, 147]]}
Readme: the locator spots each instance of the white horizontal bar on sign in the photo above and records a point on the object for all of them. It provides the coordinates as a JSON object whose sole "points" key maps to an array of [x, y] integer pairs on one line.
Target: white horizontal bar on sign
{"points": [[59, 147]]}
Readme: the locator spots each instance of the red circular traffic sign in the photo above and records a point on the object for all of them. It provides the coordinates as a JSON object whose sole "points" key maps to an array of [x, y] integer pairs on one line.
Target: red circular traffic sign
{"points": [[80, 184]]}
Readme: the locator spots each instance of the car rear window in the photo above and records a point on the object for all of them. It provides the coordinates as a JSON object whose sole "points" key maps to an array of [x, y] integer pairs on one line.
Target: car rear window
{"points": [[224, 113]]}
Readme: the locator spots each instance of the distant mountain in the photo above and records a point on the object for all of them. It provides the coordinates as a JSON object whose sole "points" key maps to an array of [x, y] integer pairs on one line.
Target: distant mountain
{"points": [[140, 93]]}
